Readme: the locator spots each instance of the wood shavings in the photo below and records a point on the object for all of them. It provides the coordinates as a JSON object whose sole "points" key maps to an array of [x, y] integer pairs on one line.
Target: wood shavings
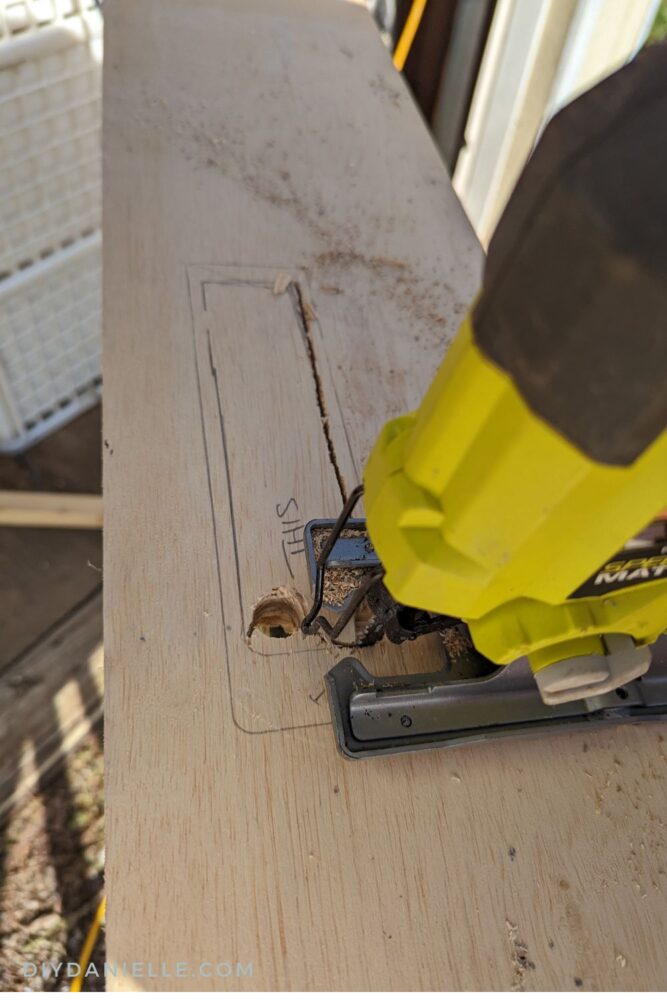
{"points": [[456, 642], [282, 283], [338, 583], [309, 314], [390, 262], [521, 963]]}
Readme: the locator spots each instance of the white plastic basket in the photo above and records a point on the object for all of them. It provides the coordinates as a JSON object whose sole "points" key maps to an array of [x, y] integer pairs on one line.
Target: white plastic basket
{"points": [[50, 215]]}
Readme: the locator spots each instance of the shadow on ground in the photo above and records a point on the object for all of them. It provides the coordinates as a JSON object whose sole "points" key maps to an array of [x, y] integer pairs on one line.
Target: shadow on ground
{"points": [[52, 839], [51, 864]]}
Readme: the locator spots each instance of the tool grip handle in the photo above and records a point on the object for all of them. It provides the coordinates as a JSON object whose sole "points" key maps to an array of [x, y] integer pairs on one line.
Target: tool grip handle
{"points": [[574, 297]]}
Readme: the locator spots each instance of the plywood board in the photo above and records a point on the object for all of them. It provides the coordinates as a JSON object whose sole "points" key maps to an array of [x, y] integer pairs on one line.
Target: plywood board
{"points": [[298, 480], [285, 263]]}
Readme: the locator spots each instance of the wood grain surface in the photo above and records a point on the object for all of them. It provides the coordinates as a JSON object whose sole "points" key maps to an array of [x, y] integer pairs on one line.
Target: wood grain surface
{"points": [[21, 508], [285, 264]]}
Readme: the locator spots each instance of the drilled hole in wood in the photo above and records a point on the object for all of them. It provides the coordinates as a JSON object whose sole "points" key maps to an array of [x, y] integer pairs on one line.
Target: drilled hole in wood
{"points": [[278, 614]]}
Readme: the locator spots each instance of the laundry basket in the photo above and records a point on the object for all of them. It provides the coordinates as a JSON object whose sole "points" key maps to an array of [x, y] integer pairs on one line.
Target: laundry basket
{"points": [[50, 215]]}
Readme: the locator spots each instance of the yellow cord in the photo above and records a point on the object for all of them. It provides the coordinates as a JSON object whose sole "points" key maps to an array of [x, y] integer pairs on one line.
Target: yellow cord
{"points": [[88, 945], [404, 44]]}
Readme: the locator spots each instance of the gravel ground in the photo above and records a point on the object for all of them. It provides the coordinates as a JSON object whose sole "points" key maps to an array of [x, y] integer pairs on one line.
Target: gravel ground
{"points": [[51, 874]]}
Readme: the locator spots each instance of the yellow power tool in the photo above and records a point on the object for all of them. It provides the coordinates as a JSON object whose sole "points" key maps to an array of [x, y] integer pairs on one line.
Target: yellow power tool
{"points": [[517, 511]]}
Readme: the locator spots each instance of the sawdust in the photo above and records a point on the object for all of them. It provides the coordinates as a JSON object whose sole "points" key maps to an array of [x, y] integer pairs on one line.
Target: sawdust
{"points": [[282, 283], [309, 314], [456, 642], [222, 145], [521, 963], [339, 583], [278, 614]]}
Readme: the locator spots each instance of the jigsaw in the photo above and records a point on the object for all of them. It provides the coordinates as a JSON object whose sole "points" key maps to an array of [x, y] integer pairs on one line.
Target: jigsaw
{"points": [[516, 513]]}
